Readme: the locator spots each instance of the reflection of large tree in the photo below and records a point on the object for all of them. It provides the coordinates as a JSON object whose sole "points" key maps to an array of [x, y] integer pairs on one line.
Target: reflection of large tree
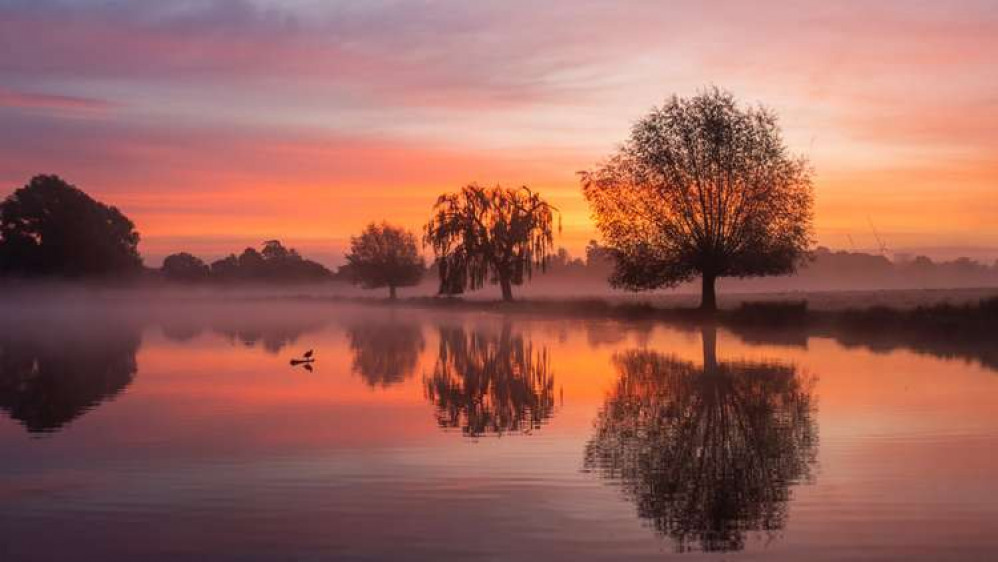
{"points": [[488, 383], [709, 453], [50, 377], [385, 354]]}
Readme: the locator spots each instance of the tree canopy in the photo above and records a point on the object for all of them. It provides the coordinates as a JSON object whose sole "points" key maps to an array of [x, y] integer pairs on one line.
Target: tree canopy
{"points": [[52, 228], [385, 256], [493, 233], [702, 187], [185, 267], [274, 264]]}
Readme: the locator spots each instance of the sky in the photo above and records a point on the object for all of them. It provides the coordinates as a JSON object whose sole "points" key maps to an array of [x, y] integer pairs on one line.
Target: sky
{"points": [[217, 124]]}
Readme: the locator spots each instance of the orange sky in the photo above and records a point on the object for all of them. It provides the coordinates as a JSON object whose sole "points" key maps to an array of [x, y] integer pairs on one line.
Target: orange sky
{"points": [[220, 123]]}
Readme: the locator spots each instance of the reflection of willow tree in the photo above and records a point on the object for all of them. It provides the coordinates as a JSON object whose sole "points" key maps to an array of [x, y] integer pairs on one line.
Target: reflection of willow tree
{"points": [[385, 354], [490, 383], [49, 378], [710, 453]]}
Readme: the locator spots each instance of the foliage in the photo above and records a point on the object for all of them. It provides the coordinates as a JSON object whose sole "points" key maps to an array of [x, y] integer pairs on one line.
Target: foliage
{"points": [[385, 256], [274, 264], [184, 267], [51, 228], [702, 187], [497, 233]]}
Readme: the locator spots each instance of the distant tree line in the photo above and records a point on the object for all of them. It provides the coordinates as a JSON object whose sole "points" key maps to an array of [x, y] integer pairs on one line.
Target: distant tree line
{"points": [[272, 264], [702, 189], [825, 269]]}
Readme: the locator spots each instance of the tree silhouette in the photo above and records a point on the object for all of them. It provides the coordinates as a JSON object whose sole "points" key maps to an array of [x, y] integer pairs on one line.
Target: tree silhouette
{"points": [[494, 232], [385, 256], [702, 187], [184, 267], [385, 354], [274, 264], [490, 383], [707, 454], [56, 371], [51, 228]]}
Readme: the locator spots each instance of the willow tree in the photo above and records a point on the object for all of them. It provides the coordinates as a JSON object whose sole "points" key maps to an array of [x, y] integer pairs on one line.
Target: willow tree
{"points": [[493, 233], [702, 187]]}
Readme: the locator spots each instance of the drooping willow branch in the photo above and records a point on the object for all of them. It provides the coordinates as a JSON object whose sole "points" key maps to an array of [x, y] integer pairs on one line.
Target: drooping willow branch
{"points": [[489, 233]]}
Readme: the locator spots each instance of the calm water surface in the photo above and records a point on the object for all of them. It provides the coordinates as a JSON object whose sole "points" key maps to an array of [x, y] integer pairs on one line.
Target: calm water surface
{"points": [[181, 432]]}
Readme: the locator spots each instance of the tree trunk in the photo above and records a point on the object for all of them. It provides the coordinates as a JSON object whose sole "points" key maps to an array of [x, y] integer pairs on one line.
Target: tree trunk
{"points": [[709, 336], [391, 292], [507, 289], [708, 298]]}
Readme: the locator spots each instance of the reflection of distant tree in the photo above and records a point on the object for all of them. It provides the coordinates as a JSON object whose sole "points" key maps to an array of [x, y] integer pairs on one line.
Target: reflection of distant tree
{"points": [[487, 383], [52, 376], [272, 334], [271, 339], [709, 453], [385, 354], [182, 332], [610, 333]]}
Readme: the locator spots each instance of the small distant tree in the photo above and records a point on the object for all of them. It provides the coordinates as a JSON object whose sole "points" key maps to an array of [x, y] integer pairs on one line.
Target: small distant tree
{"points": [[489, 232], [49, 227], [702, 187], [185, 268], [385, 256]]}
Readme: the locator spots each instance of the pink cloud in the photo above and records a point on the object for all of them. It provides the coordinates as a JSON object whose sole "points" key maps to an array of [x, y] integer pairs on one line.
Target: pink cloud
{"points": [[56, 102]]}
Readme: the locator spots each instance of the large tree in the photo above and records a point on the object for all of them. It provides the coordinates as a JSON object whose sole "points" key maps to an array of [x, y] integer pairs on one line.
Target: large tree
{"points": [[703, 187], [385, 256], [489, 232], [49, 227]]}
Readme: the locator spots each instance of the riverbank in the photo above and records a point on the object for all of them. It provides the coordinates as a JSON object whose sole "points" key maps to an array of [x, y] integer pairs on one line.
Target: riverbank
{"points": [[967, 330]]}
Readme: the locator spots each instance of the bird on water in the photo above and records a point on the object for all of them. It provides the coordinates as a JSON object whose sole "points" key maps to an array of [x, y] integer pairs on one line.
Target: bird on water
{"points": [[307, 357]]}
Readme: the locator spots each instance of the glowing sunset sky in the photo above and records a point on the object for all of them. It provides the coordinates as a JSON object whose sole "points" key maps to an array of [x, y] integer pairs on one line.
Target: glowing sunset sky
{"points": [[220, 123]]}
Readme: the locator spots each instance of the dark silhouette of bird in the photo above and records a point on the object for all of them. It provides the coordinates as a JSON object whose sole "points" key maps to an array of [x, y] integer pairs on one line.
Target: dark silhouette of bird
{"points": [[307, 357]]}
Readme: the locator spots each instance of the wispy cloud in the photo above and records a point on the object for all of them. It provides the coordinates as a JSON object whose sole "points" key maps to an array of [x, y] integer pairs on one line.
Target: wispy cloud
{"points": [[53, 102], [397, 100]]}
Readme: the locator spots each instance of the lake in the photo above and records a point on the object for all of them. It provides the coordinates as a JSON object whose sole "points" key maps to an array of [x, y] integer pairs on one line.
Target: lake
{"points": [[180, 431]]}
